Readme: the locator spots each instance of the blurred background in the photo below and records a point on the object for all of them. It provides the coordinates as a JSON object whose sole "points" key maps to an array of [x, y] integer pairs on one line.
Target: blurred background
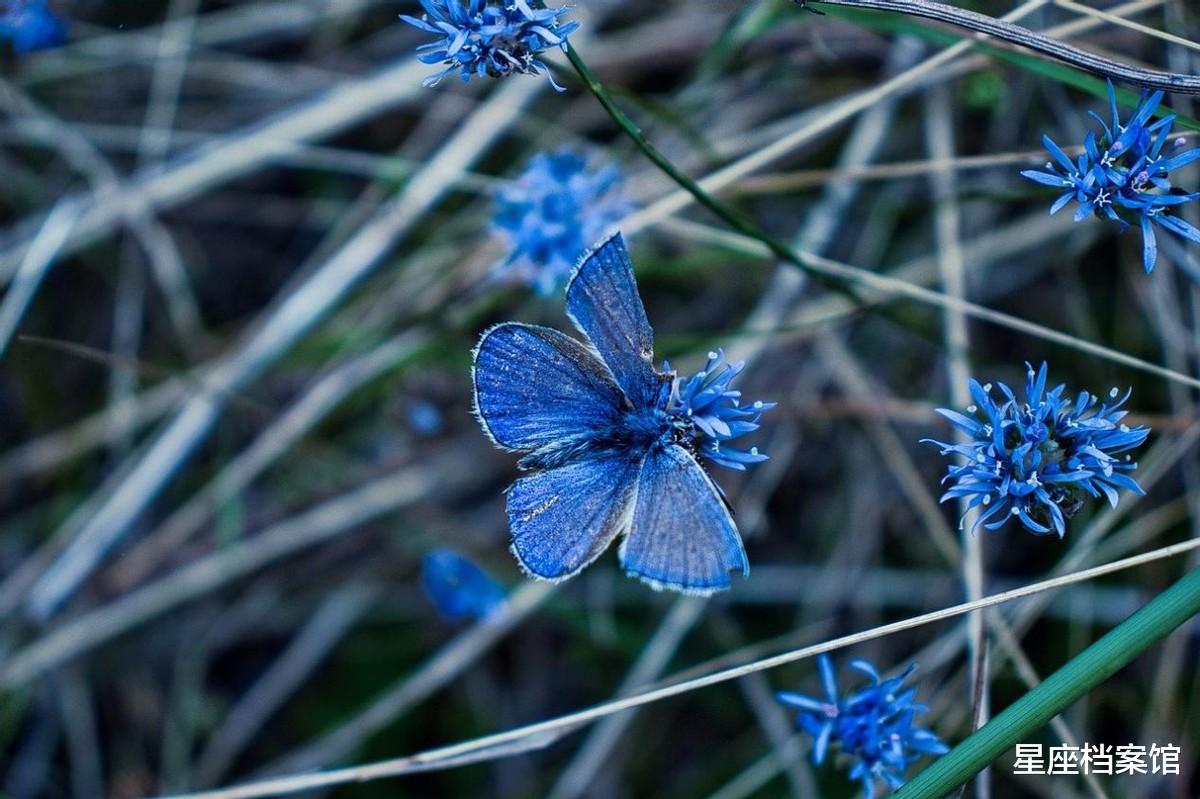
{"points": [[246, 258]]}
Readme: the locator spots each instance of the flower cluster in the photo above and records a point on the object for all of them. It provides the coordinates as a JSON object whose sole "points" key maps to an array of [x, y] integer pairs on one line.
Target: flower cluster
{"points": [[478, 37], [1036, 460], [712, 413], [554, 211], [872, 726], [1125, 174], [30, 25], [458, 587]]}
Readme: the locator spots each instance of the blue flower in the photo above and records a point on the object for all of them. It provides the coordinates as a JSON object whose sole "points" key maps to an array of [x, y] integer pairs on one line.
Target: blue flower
{"points": [[554, 211], [30, 25], [872, 726], [458, 587], [707, 408], [1124, 175], [424, 418], [477, 37], [1037, 460]]}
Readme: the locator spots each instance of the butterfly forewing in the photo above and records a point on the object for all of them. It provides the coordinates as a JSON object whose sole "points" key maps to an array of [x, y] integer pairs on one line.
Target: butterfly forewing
{"points": [[562, 518], [603, 301], [682, 536], [535, 386]]}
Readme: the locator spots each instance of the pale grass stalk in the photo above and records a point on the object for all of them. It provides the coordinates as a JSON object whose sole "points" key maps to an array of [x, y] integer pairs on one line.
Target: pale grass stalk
{"points": [[281, 328], [947, 218], [423, 761]]}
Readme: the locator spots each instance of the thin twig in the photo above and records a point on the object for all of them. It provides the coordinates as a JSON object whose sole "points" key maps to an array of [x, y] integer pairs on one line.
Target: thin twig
{"points": [[280, 330], [1121, 22], [316, 525], [947, 218], [1038, 42], [423, 760], [594, 753], [441, 668]]}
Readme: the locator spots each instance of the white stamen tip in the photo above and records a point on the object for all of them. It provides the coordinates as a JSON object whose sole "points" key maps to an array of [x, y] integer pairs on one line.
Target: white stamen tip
{"points": [[1113, 393]]}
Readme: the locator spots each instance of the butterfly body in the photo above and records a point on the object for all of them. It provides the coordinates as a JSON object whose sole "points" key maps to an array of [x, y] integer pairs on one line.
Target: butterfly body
{"points": [[632, 430], [608, 454]]}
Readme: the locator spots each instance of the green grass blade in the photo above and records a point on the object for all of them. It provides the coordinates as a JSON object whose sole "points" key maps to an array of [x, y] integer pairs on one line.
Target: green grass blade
{"points": [[1088, 669]]}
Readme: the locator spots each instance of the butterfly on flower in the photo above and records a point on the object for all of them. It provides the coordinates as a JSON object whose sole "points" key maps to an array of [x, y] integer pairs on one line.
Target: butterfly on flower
{"points": [[612, 443]]}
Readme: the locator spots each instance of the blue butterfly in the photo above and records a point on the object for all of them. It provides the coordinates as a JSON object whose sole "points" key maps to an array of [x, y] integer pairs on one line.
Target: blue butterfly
{"points": [[611, 446]]}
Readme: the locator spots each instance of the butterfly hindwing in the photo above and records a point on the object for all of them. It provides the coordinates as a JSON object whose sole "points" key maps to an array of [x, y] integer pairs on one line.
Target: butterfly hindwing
{"points": [[603, 301], [535, 386], [682, 536], [563, 518]]}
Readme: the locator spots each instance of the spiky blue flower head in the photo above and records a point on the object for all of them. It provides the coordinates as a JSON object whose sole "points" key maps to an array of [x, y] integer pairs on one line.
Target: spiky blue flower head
{"points": [[711, 410], [1125, 174], [1038, 459], [872, 727], [489, 38], [458, 587], [30, 25], [552, 213]]}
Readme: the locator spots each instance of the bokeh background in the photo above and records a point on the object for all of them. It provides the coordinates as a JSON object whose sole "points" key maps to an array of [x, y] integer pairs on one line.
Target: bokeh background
{"points": [[266, 240]]}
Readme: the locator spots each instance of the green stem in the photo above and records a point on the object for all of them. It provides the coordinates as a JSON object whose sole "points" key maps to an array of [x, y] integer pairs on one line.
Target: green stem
{"points": [[1085, 671], [733, 217]]}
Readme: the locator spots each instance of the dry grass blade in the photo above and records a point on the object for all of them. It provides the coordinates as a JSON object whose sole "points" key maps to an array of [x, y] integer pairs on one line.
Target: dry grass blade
{"points": [[451, 754]]}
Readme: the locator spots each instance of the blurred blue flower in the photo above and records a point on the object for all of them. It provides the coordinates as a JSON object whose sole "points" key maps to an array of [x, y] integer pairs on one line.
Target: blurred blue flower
{"points": [[478, 37], [1037, 460], [710, 410], [554, 211], [873, 726], [1125, 174], [458, 587], [30, 25], [424, 418]]}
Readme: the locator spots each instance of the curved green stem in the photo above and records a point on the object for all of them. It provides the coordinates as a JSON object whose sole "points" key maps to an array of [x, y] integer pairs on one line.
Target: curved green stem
{"points": [[1085, 671], [732, 216]]}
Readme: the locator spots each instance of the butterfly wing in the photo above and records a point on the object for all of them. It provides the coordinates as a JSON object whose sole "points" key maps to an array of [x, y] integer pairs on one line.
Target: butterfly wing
{"points": [[603, 302], [682, 536], [535, 386], [563, 518]]}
